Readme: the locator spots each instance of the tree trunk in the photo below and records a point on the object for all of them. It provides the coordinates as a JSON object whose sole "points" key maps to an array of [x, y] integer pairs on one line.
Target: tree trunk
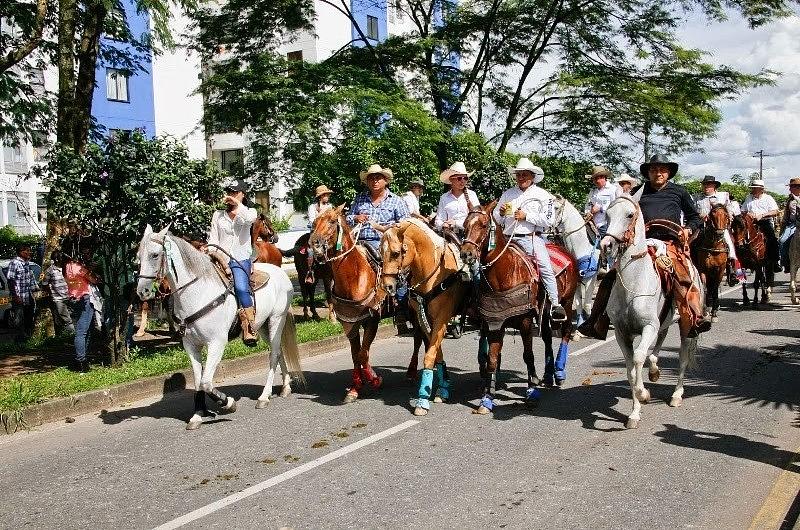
{"points": [[646, 141], [87, 67], [66, 71]]}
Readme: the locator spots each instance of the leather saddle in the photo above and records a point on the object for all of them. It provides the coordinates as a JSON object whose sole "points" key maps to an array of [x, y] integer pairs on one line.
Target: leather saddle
{"points": [[258, 278]]}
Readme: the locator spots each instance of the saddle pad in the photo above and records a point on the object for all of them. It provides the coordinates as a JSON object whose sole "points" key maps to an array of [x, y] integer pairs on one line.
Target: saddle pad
{"points": [[498, 306], [258, 279], [559, 258]]}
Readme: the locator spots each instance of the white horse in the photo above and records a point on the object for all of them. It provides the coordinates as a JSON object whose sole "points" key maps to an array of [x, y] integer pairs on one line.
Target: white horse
{"points": [[570, 227], [205, 306], [636, 305]]}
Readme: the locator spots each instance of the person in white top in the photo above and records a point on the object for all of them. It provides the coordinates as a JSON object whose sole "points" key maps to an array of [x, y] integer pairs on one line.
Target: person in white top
{"points": [[415, 189], [704, 202], [601, 196], [456, 203], [763, 209], [790, 218], [524, 212], [322, 202], [625, 182], [230, 232]]}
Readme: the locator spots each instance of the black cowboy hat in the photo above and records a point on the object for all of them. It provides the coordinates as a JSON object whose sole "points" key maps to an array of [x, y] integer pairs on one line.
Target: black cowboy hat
{"points": [[658, 160], [236, 185], [710, 179]]}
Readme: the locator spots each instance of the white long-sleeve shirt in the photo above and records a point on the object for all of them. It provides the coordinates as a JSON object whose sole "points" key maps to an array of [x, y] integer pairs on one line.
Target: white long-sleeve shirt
{"points": [[454, 209], [314, 210], [760, 206], [704, 203], [412, 202], [602, 197], [233, 235], [537, 204]]}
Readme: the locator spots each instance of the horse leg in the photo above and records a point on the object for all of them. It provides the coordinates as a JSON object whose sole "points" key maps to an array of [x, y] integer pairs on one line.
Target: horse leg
{"points": [[411, 371], [353, 334], [226, 403], [549, 359], [442, 379], [495, 339], [769, 281], [654, 372], [312, 291], [326, 283], [688, 347], [532, 394], [272, 333], [143, 320], [433, 360], [634, 360], [745, 298], [794, 266], [200, 409], [370, 330]]}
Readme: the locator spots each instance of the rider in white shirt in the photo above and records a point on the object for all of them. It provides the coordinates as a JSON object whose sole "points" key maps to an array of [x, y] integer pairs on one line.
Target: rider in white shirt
{"points": [[763, 209], [415, 189], [525, 212], [601, 196], [790, 211], [455, 204], [704, 202], [625, 183], [322, 203]]}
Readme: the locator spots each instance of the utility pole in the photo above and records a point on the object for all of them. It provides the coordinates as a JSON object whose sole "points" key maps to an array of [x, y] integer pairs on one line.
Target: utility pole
{"points": [[760, 154]]}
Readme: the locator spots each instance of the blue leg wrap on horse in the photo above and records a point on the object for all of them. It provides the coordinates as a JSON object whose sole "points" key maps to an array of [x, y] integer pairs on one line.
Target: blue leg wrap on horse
{"points": [[486, 402], [561, 361], [532, 394], [425, 384], [442, 382]]}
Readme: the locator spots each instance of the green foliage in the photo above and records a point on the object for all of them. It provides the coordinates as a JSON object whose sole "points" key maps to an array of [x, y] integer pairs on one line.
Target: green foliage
{"points": [[9, 239], [565, 177], [280, 224]]}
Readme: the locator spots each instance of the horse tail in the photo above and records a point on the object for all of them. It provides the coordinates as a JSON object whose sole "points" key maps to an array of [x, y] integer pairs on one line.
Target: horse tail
{"points": [[290, 351]]}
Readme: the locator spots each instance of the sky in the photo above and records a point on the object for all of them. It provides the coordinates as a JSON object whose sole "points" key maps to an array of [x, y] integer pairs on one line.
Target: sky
{"points": [[765, 118]]}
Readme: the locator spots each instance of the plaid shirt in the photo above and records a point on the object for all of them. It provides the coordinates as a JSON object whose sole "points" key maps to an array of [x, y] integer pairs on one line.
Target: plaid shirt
{"points": [[19, 271], [54, 278], [392, 209]]}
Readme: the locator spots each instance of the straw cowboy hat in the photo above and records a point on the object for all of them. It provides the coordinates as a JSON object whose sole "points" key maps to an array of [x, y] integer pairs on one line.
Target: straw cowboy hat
{"points": [[416, 182], [525, 164], [627, 178], [458, 168], [658, 160], [376, 169], [600, 171], [757, 183], [795, 181], [319, 191], [710, 179]]}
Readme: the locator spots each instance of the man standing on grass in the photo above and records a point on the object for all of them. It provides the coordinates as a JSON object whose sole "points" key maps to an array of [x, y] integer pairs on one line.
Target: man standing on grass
{"points": [[21, 285], [59, 294]]}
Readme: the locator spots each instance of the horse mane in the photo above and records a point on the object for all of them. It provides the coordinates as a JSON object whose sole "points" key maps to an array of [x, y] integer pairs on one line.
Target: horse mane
{"points": [[195, 261], [438, 241]]}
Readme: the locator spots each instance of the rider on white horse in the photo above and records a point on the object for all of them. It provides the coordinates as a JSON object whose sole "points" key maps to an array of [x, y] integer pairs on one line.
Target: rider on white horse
{"points": [[704, 202], [525, 212], [230, 233], [789, 221]]}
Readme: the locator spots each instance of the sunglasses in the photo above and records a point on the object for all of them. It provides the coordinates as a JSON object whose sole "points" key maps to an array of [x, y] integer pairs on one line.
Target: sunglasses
{"points": [[460, 177], [375, 177]]}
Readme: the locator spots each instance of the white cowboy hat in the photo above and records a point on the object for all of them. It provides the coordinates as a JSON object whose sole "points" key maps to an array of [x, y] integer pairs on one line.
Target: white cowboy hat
{"points": [[624, 177], [757, 183], [525, 164], [376, 169], [458, 168]]}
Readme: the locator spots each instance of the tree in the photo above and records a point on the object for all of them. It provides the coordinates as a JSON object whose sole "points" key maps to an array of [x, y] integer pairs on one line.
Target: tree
{"points": [[111, 192]]}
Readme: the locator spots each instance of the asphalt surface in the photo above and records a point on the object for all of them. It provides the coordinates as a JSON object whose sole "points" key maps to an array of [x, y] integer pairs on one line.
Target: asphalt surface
{"points": [[567, 463]]}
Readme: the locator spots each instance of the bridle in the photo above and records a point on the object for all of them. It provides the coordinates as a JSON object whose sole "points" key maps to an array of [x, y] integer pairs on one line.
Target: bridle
{"points": [[627, 238], [161, 272], [326, 258], [555, 232]]}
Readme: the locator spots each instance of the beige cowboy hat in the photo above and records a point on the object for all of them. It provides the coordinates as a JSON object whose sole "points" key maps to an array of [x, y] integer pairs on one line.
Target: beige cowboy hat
{"points": [[458, 168], [794, 182], [600, 171], [525, 164], [757, 183], [376, 169], [319, 191], [627, 178]]}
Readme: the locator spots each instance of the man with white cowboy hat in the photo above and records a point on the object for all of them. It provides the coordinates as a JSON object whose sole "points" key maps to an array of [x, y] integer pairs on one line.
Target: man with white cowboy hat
{"points": [[415, 189], [526, 211], [322, 202], [763, 209], [704, 202], [456, 203], [625, 182], [377, 208], [790, 211]]}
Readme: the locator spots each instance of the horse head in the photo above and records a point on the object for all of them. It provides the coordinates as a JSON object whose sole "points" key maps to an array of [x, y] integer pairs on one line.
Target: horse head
{"points": [[152, 262], [326, 234], [263, 229], [476, 232], [625, 223], [392, 253], [719, 219]]}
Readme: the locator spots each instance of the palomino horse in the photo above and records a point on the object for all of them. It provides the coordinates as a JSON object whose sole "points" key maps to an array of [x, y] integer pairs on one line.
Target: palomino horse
{"points": [[638, 307], [263, 237], [711, 254], [572, 230], [510, 296], [794, 263], [436, 291], [320, 271], [357, 294], [206, 308], [751, 249]]}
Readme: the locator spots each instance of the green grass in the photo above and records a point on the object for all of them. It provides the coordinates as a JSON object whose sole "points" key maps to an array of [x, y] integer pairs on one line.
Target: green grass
{"points": [[23, 390]]}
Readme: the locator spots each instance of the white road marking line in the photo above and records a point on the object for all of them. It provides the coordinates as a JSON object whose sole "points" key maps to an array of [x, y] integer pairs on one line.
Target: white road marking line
{"points": [[299, 470]]}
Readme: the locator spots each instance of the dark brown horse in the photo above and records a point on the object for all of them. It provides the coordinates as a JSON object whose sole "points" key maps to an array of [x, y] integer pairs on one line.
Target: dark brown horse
{"points": [[309, 273], [357, 294], [510, 296], [263, 237], [710, 254], [751, 249]]}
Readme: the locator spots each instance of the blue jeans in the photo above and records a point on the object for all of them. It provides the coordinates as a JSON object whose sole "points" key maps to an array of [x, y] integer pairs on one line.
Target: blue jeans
{"points": [[786, 238], [241, 281], [534, 246], [374, 243], [85, 315]]}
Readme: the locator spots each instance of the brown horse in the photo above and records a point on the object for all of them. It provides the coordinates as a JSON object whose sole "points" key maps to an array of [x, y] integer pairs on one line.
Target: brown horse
{"points": [[710, 254], [309, 273], [263, 237], [510, 296], [751, 249], [436, 293], [357, 295]]}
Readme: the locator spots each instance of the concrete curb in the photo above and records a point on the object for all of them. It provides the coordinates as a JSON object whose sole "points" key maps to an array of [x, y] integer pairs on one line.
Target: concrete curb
{"points": [[59, 409]]}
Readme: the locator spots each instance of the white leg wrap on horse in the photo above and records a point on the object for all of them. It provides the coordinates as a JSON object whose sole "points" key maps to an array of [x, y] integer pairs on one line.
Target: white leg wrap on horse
{"points": [[729, 242]]}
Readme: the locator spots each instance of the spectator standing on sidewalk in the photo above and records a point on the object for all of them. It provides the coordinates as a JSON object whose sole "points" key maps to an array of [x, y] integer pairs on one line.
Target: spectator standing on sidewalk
{"points": [[80, 278], [21, 285], [59, 294]]}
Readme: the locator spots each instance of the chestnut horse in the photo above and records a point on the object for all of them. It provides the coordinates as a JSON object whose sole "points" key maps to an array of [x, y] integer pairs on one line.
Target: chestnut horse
{"points": [[263, 237], [436, 293], [751, 249], [710, 254], [357, 295], [507, 268]]}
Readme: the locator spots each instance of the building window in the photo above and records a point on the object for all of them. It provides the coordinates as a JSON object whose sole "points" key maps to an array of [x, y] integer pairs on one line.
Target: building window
{"points": [[372, 27], [114, 25], [295, 56], [232, 161], [41, 207], [40, 146], [18, 209], [14, 159], [116, 85]]}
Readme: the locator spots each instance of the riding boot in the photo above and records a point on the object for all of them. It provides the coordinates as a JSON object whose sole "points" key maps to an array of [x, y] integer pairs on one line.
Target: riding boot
{"points": [[596, 326], [247, 316]]}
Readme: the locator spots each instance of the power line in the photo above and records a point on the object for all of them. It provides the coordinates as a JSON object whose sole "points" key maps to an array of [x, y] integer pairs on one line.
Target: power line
{"points": [[760, 154]]}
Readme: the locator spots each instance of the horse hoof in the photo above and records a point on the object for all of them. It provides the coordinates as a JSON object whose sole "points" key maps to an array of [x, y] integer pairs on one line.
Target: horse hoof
{"points": [[350, 397], [632, 424], [193, 425], [559, 382], [419, 411], [438, 399], [230, 407], [535, 381], [139, 334], [482, 410], [644, 397], [654, 376], [676, 401], [286, 391], [714, 318]]}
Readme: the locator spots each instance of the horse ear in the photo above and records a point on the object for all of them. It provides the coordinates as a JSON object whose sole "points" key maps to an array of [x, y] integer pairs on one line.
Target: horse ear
{"points": [[148, 230], [489, 208], [164, 230], [339, 209]]}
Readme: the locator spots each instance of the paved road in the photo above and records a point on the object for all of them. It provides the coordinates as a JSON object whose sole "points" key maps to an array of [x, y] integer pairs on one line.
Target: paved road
{"points": [[567, 463]]}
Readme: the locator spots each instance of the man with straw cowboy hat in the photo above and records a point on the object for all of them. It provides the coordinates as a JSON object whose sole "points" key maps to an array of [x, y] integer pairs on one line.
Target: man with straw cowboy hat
{"points": [[763, 209], [322, 202], [454, 206], [789, 221], [600, 197], [526, 211], [415, 189], [625, 183], [710, 197], [377, 208]]}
